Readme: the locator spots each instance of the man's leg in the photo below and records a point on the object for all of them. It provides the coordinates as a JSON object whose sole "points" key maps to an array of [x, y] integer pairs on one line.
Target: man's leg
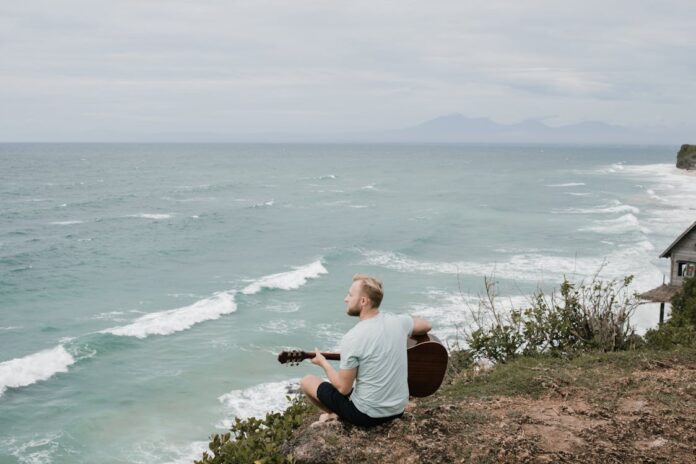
{"points": [[310, 384]]}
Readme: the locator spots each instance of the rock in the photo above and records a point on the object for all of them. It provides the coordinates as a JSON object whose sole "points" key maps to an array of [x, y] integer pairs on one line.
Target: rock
{"points": [[686, 158]]}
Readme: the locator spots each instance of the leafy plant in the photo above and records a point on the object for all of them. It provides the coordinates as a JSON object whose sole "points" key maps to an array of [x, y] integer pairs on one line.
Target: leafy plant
{"points": [[680, 329], [255, 440], [583, 316]]}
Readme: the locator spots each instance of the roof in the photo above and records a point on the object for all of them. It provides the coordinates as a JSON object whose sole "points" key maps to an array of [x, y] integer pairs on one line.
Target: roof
{"points": [[668, 251], [661, 294]]}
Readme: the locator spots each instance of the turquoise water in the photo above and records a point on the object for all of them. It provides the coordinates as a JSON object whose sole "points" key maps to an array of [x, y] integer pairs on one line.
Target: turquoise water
{"points": [[146, 289]]}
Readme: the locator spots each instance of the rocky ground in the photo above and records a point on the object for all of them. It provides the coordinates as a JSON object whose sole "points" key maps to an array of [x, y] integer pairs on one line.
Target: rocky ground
{"points": [[608, 408]]}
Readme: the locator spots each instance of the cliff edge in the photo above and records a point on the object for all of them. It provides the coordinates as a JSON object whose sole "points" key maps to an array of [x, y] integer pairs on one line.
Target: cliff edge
{"points": [[598, 408]]}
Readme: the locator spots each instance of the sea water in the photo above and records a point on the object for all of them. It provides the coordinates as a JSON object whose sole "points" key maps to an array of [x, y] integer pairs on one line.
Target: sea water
{"points": [[145, 290]]}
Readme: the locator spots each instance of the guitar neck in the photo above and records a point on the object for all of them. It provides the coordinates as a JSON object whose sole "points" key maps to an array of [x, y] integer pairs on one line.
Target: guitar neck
{"points": [[329, 356]]}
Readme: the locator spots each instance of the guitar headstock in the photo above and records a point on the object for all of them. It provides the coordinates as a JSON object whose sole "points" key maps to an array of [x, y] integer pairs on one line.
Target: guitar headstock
{"points": [[293, 357]]}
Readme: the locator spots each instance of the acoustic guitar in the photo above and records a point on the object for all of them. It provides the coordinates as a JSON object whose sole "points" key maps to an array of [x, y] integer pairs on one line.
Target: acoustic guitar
{"points": [[427, 363]]}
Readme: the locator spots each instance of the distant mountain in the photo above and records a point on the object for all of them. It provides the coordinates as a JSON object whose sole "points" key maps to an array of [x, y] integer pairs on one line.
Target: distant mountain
{"points": [[456, 128], [452, 128]]}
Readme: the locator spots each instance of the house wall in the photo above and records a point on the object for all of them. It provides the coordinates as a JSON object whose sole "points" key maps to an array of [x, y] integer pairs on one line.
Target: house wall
{"points": [[685, 250]]}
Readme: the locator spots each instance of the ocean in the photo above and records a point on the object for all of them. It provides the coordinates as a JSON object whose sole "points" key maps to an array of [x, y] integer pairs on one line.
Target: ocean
{"points": [[146, 289]]}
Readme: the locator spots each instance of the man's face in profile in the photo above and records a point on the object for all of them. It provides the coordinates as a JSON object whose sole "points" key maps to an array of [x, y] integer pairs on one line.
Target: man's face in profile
{"points": [[353, 299]]}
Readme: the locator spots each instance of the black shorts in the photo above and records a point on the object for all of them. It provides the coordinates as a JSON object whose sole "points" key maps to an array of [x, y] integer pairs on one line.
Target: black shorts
{"points": [[345, 409]]}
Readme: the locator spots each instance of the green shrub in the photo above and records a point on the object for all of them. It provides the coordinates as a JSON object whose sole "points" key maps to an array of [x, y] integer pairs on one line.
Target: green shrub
{"points": [[592, 316], [669, 336], [684, 304], [680, 329], [257, 440]]}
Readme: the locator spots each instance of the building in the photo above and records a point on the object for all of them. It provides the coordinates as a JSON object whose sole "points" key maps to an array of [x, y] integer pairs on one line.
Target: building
{"points": [[682, 253]]}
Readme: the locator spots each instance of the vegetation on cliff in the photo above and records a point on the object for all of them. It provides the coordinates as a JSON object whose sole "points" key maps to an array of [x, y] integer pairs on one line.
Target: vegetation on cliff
{"points": [[686, 158], [571, 382]]}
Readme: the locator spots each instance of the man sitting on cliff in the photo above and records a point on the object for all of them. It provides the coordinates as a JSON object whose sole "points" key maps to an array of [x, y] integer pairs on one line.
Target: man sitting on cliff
{"points": [[373, 355]]}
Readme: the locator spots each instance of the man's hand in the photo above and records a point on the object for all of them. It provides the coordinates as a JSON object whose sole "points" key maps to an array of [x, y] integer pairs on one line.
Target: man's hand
{"points": [[319, 358], [421, 326]]}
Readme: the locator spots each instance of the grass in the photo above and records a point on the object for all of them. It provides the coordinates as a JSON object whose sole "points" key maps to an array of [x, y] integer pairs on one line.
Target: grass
{"points": [[534, 375]]}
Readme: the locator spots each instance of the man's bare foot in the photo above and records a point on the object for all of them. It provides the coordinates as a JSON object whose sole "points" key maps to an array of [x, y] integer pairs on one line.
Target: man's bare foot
{"points": [[327, 416]]}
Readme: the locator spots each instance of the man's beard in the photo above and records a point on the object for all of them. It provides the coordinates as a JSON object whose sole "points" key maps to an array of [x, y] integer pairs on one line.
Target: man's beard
{"points": [[354, 310]]}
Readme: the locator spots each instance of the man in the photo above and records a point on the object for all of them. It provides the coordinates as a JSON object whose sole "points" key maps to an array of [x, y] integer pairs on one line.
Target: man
{"points": [[373, 355]]}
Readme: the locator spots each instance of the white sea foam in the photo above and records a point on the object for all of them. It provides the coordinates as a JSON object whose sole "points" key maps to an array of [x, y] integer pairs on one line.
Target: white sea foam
{"points": [[569, 184], [39, 450], [290, 280], [10, 327], [454, 312], [256, 401], [33, 368], [162, 451], [188, 454], [666, 184], [264, 204], [280, 326], [115, 316], [611, 208], [155, 216], [66, 223], [283, 307], [633, 259], [176, 320], [625, 224]]}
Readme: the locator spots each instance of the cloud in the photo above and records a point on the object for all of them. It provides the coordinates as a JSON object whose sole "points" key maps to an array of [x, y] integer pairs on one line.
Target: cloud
{"points": [[318, 66]]}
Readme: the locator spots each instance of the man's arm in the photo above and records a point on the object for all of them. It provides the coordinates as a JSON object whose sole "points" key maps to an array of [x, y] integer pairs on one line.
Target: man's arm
{"points": [[342, 380], [421, 326]]}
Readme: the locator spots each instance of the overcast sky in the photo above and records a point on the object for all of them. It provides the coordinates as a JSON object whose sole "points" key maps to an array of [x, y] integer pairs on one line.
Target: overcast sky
{"points": [[139, 70]]}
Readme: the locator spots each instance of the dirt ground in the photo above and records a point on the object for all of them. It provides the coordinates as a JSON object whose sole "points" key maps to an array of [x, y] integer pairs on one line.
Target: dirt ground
{"points": [[646, 415]]}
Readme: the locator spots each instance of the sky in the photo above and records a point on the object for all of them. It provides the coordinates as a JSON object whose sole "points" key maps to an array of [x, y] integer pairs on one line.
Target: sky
{"points": [[149, 70]]}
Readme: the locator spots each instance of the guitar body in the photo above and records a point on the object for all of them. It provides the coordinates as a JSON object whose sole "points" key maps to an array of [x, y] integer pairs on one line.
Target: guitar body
{"points": [[427, 363]]}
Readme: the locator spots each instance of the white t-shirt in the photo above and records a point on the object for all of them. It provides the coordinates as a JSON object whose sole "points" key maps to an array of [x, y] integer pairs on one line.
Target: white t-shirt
{"points": [[377, 347]]}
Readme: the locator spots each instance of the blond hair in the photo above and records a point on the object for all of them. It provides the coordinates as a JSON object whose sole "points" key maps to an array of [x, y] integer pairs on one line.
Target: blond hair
{"points": [[371, 287]]}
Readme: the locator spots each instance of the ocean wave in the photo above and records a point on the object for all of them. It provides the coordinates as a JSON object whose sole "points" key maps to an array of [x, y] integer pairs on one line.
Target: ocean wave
{"points": [[284, 307], [256, 401], [282, 327], [569, 184], [633, 259], [21, 372], [625, 224], [155, 216], [454, 312], [115, 316], [290, 280], [614, 207], [65, 223], [176, 320], [264, 204], [39, 450], [666, 184]]}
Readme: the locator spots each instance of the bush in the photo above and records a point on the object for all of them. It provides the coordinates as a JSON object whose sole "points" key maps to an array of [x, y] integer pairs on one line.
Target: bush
{"points": [[257, 440], [680, 329], [592, 316], [669, 336], [684, 304]]}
